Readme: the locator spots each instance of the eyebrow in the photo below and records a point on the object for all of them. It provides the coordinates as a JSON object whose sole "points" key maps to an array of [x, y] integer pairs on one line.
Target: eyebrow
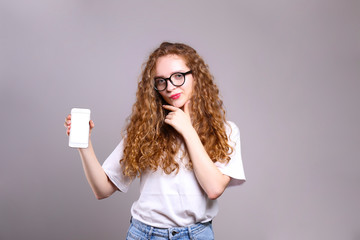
{"points": [[179, 71]]}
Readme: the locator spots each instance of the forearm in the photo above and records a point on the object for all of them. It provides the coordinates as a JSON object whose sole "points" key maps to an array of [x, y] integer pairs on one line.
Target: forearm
{"points": [[96, 177], [208, 175]]}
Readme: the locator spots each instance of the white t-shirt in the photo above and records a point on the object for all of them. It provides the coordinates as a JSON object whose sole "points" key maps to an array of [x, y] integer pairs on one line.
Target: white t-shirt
{"points": [[175, 200]]}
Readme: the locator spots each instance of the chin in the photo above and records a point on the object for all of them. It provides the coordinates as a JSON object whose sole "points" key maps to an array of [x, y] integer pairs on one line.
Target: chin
{"points": [[178, 105]]}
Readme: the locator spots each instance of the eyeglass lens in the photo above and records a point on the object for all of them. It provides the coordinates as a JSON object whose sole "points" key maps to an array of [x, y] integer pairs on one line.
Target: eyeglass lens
{"points": [[176, 79]]}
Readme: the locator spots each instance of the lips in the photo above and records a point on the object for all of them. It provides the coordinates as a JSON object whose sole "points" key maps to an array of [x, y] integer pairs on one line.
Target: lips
{"points": [[175, 96]]}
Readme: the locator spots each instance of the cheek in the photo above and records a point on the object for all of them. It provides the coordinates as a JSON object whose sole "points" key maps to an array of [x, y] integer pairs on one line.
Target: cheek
{"points": [[163, 97], [190, 87], [162, 94]]}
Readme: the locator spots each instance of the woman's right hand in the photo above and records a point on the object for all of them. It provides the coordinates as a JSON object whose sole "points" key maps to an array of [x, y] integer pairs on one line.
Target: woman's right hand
{"points": [[97, 178], [67, 125]]}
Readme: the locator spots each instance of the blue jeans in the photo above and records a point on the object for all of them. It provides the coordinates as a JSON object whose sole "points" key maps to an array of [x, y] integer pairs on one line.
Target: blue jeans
{"points": [[142, 231]]}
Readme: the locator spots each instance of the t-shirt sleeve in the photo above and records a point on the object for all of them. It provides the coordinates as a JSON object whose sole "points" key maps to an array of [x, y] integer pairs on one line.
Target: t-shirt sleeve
{"points": [[114, 170], [234, 168]]}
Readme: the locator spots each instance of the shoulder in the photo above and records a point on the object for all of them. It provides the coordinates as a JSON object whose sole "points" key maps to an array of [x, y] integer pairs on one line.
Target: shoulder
{"points": [[232, 129]]}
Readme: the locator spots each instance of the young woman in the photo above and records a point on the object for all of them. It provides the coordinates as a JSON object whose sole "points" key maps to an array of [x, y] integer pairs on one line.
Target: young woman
{"points": [[179, 144]]}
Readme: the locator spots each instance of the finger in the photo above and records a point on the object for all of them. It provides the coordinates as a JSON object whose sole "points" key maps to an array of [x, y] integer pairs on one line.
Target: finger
{"points": [[170, 108], [92, 124], [67, 123], [171, 115], [67, 120], [68, 130], [167, 121]]}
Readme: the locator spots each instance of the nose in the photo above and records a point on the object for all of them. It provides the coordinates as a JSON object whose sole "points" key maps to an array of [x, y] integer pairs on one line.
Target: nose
{"points": [[169, 86]]}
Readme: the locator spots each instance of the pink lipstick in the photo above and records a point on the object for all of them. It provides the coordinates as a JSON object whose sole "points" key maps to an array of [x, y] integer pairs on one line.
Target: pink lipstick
{"points": [[175, 96]]}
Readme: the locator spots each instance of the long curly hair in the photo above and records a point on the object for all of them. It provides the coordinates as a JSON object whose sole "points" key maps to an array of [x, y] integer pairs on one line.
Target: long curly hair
{"points": [[149, 142]]}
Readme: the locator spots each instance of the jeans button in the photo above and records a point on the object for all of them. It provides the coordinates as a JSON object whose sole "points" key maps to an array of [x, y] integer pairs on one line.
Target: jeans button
{"points": [[174, 233]]}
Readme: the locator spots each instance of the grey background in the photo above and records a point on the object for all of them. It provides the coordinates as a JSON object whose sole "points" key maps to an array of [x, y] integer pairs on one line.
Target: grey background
{"points": [[289, 75]]}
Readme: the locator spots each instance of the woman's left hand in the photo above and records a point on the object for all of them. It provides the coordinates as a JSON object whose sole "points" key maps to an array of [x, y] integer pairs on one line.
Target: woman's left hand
{"points": [[179, 119], [208, 175]]}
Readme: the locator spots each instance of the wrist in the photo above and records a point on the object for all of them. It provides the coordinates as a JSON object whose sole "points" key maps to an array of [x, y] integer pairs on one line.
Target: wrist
{"points": [[190, 134], [82, 150]]}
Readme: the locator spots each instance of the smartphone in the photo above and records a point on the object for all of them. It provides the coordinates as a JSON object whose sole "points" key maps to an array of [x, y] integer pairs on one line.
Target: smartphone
{"points": [[79, 131]]}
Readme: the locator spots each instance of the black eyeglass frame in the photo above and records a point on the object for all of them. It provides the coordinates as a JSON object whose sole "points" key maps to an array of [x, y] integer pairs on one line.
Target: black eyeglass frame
{"points": [[169, 79]]}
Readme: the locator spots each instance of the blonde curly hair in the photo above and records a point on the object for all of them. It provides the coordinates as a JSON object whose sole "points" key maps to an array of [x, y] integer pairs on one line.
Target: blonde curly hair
{"points": [[149, 142]]}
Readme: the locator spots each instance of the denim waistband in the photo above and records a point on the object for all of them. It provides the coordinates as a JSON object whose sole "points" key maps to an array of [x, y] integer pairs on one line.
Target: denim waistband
{"points": [[170, 232]]}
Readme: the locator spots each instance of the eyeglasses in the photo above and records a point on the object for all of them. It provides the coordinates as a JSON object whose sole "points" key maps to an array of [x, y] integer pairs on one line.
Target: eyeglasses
{"points": [[177, 79]]}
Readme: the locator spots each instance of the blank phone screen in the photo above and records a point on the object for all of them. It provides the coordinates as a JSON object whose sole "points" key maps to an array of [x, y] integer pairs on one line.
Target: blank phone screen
{"points": [[79, 132]]}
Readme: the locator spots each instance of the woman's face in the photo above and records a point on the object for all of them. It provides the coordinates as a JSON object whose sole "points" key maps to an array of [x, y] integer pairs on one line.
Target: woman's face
{"points": [[165, 67]]}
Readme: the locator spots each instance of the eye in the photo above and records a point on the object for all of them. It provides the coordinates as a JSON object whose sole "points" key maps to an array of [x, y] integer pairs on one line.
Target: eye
{"points": [[177, 76], [159, 81]]}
